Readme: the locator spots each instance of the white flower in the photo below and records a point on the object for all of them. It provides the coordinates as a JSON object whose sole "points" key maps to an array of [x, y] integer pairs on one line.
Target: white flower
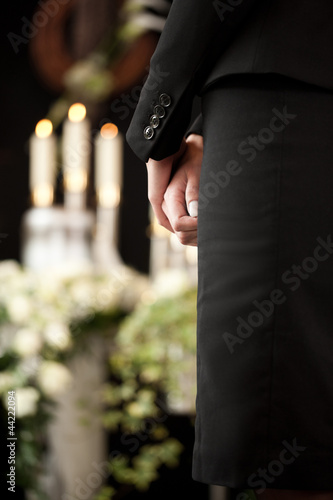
{"points": [[58, 335], [19, 309], [69, 270], [26, 399], [82, 291], [28, 367], [53, 378], [171, 282], [27, 342], [49, 286], [8, 381], [9, 268]]}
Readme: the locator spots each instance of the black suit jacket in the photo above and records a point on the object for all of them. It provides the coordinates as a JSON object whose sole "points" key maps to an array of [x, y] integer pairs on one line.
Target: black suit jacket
{"points": [[204, 40]]}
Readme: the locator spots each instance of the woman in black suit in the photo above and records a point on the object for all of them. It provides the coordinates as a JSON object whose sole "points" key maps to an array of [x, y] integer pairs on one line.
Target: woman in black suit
{"points": [[250, 183]]}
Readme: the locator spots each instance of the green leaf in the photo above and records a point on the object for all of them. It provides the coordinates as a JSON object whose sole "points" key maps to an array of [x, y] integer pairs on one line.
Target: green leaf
{"points": [[170, 451], [143, 478], [112, 419], [106, 493]]}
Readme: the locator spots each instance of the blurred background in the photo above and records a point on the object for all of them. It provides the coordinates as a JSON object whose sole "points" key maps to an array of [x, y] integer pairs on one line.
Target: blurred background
{"points": [[97, 302], [36, 54]]}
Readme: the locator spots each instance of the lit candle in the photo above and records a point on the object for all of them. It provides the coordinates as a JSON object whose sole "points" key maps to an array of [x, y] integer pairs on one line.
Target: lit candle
{"points": [[108, 181], [76, 148], [42, 164], [108, 162]]}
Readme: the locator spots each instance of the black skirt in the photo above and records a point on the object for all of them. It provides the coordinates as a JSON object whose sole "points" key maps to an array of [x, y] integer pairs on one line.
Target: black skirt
{"points": [[265, 289]]}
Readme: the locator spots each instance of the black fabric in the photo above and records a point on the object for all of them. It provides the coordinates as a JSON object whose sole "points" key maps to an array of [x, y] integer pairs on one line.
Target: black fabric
{"points": [[204, 41], [264, 312], [195, 127], [192, 33], [290, 38]]}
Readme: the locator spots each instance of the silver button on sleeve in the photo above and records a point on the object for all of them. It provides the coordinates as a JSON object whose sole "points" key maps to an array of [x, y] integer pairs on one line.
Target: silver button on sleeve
{"points": [[154, 121], [159, 111], [148, 132], [165, 100]]}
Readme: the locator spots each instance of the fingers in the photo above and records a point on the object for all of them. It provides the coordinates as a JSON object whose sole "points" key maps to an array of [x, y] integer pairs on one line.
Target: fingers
{"points": [[158, 178], [181, 196], [181, 189], [192, 195], [159, 173], [175, 199], [195, 150], [184, 226]]}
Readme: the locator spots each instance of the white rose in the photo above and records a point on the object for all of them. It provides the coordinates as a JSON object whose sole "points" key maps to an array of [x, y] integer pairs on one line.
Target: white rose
{"points": [[27, 342], [53, 378], [19, 309], [26, 399], [58, 335]]}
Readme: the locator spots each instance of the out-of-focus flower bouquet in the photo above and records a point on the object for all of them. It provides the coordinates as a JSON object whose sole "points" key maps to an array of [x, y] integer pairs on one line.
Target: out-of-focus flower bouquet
{"points": [[46, 318]]}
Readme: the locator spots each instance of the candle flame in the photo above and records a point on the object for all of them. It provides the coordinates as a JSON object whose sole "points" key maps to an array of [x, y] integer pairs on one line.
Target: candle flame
{"points": [[77, 112], [44, 129], [109, 131], [42, 195], [109, 196]]}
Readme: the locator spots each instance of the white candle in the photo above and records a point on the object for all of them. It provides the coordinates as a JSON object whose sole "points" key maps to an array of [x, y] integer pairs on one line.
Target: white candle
{"points": [[76, 148], [159, 246], [108, 163], [42, 163]]}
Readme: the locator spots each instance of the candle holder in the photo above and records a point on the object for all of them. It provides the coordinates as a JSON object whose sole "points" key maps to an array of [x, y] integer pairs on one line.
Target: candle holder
{"points": [[52, 239], [105, 244]]}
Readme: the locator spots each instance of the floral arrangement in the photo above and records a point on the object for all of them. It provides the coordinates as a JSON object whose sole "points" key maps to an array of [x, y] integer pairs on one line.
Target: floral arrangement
{"points": [[44, 320], [153, 366]]}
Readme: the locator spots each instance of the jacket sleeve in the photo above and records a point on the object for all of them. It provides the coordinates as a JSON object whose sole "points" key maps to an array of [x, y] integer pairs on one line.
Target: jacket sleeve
{"points": [[195, 127], [195, 33]]}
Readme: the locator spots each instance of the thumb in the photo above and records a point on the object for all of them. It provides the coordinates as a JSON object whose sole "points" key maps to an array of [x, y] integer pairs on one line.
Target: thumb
{"points": [[191, 198]]}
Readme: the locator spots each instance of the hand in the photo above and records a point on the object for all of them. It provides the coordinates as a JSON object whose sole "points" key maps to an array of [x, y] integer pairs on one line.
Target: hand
{"points": [[159, 174], [180, 194]]}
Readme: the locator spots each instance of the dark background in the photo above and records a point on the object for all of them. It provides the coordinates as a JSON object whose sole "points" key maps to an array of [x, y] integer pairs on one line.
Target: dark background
{"points": [[24, 101]]}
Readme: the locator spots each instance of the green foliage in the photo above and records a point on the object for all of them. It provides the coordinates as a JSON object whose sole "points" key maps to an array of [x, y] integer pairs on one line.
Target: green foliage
{"points": [[154, 346]]}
